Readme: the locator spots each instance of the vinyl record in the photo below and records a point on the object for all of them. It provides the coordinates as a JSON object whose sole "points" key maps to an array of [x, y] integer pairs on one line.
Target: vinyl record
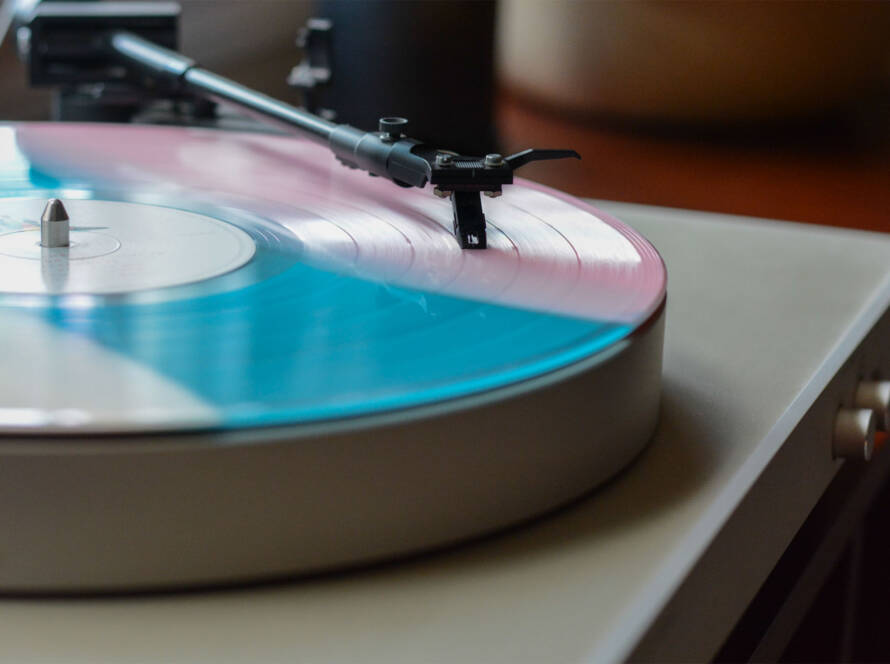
{"points": [[220, 280]]}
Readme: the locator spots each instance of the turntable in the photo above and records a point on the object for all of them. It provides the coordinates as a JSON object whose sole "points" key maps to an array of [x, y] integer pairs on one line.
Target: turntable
{"points": [[229, 338], [231, 358]]}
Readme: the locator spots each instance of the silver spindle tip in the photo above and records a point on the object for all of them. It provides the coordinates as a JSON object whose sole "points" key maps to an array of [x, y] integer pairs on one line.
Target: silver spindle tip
{"points": [[54, 224], [54, 211]]}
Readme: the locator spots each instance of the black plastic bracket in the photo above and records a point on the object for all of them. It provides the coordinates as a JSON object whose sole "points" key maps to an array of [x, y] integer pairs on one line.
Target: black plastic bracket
{"points": [[465, 179]]}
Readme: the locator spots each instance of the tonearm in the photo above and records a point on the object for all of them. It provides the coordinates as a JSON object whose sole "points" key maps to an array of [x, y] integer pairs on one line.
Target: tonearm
{"points": [[134, 43]]}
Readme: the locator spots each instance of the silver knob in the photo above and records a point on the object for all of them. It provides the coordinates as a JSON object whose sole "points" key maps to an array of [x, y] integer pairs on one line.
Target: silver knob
{"points": [[875, 394], [854, 433]]}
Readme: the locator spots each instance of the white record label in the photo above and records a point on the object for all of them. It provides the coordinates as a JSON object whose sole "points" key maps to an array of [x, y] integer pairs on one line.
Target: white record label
{"points": [[116, 248]]}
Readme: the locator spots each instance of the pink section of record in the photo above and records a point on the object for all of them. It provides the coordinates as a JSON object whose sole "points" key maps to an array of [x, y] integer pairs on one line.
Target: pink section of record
{"points": [[547, 251]]}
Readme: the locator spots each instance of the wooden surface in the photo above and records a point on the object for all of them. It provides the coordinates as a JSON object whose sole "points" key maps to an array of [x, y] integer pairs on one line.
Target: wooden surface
{"points": [[835, 173]]}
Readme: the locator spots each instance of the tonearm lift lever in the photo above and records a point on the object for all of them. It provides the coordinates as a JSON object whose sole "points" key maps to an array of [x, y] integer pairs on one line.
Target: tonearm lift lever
{"points": [[100, 42]]}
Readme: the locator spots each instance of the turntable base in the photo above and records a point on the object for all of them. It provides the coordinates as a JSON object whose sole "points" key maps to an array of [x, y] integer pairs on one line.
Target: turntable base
{"points": [[755, 366]]}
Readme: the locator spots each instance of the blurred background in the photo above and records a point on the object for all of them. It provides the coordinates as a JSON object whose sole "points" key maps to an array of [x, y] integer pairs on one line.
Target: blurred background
{"points": [[770, 109]]}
